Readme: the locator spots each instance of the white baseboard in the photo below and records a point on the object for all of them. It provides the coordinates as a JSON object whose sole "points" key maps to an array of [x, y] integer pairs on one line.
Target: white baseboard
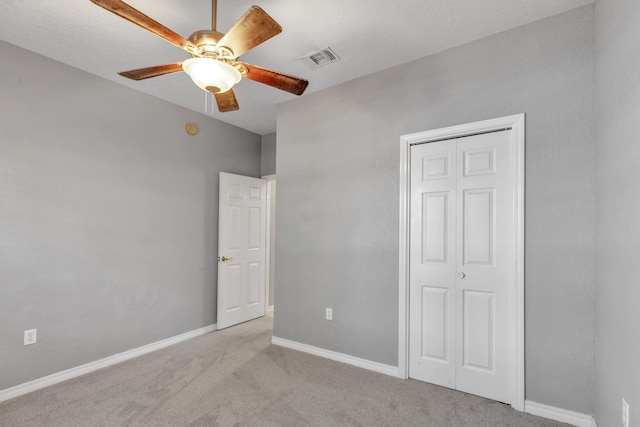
{"points": [[338, 357], [563, 415], [557, 414], [68, 374]]}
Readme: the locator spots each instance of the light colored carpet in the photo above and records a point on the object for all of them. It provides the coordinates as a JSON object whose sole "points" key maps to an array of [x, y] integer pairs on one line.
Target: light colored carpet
{"points": [[235, 377]]}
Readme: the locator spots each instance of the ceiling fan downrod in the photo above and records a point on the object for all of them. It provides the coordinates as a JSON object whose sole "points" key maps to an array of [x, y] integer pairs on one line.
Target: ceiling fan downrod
{"points": [[214, 14]]}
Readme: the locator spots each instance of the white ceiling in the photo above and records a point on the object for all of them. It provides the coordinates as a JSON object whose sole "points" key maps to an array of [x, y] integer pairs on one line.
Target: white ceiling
{"points": [[369, 36]]}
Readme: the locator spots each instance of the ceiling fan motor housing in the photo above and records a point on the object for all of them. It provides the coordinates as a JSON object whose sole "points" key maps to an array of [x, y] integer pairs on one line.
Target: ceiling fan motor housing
{"points": [[207, 43]]}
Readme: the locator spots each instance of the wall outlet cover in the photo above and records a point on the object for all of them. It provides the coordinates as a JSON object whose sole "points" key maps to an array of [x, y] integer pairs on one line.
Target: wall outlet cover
{"points": [[329, 313], [30, 336]]}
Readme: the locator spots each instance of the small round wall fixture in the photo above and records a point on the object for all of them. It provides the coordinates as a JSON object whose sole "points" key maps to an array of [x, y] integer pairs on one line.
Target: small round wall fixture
{"points": [[191, 128]]}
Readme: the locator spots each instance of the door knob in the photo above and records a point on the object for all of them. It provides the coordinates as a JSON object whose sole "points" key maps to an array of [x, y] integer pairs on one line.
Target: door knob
{"points": [[462, 275], [224, 258]]}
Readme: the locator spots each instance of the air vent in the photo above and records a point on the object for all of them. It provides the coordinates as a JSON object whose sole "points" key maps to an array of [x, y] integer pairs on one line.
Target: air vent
{"points": [[320, 58]]}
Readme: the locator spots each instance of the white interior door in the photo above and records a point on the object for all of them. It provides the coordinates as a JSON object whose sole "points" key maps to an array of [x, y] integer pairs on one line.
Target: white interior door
{"points": [[432, 355], [241, 249], [460, 260]]}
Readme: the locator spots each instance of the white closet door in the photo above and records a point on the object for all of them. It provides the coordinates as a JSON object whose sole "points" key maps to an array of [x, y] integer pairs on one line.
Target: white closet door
{"points": [[482, 265], [459, 264], [432, 263]]}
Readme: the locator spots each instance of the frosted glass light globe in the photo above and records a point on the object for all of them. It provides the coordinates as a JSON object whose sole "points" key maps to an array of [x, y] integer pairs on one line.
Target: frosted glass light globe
{"points": [[211, 75]]}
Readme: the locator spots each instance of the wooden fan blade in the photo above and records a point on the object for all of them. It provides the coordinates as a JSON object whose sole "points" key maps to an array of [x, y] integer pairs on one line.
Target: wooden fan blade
{"points": [[253, 28], [158, 70], [131, 14], [278, 80], [227, 101]]}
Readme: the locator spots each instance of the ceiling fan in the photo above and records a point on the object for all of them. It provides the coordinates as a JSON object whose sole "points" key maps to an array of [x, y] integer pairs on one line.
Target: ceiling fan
{"points": [[214, 64]]}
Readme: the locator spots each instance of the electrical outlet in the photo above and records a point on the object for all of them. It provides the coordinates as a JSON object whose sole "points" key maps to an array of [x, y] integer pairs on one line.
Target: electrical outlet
{"points": [[329, 313], [30, 336], [625, 413]]}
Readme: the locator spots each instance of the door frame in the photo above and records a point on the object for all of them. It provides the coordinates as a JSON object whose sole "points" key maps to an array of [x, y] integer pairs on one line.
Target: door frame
{"points": [[270, 202], [516, 298]]}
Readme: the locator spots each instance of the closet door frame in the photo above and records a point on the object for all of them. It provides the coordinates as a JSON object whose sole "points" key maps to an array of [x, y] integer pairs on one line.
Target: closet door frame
{"points": [[516, 300]]}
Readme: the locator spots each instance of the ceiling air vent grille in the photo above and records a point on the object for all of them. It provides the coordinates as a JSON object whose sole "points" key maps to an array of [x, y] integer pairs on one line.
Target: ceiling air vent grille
{"points": [[319, 58]]}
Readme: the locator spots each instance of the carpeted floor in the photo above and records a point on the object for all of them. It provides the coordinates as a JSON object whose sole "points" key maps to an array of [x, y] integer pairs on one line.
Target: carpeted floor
{"points": [[235, 377]]}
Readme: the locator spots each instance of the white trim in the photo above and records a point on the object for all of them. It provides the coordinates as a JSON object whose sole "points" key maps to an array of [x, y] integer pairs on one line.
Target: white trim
{"points": [[68, 374], [267, 261], [403, 280], [558, 414], [516, 313], [338, 357]]}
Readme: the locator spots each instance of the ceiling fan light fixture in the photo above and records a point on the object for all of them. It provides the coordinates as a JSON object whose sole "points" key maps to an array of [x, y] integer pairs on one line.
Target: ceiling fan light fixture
{"points": [[214, 65], [211, 74]]}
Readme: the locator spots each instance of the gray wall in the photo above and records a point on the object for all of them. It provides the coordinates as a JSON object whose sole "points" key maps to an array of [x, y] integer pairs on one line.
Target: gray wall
{"points": [[618, 203], [338, 184], [268, 162], [108, 215]]}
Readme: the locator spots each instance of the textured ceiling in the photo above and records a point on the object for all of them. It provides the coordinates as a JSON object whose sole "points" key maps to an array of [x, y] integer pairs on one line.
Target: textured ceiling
{"points": [[369, 36]]}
